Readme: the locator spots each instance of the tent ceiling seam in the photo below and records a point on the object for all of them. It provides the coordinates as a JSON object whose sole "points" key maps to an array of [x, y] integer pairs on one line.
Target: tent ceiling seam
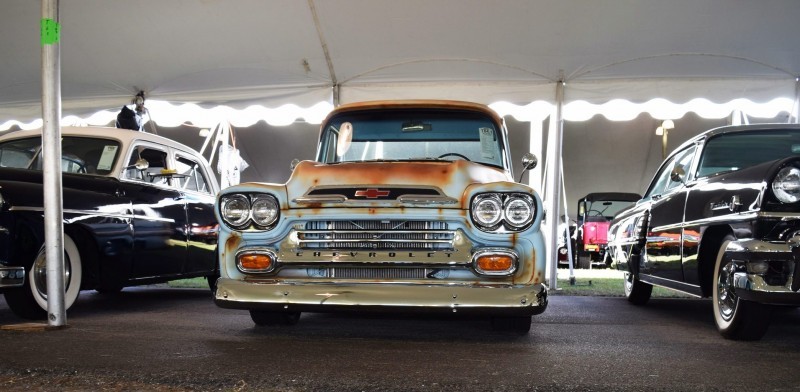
{"points": [[465, 60], [322, 42], [577, 74]]}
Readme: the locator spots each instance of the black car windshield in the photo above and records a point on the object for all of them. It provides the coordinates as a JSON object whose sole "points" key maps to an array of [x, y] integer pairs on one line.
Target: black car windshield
{"points": [[78, 154], [740, 150], [412, 135]]}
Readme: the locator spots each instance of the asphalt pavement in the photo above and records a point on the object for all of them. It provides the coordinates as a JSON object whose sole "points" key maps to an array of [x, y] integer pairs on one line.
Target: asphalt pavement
{"points": [[167, 339]]}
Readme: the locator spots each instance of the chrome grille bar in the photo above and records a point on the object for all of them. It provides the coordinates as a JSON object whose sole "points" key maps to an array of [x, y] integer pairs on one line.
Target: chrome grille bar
{"points": [[382, 273], [378, 234]]}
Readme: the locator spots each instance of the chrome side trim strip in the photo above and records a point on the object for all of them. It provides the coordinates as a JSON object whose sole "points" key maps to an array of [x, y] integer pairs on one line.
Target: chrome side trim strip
{"points": [[320, 199], [715, 219], [425, 199], [86, 214], [737, 217]]}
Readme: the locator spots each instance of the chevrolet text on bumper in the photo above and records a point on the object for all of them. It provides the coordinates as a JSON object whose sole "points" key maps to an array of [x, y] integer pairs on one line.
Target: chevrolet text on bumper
{"points": [[409, 206]]}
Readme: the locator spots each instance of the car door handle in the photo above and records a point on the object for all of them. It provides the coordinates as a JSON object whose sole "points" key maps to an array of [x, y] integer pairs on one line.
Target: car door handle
{"points": [[656, 197], [119, 192]]}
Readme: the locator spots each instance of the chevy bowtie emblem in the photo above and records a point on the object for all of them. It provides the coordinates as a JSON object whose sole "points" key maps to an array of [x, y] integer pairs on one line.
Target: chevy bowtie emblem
{"points": [[371, 193]]}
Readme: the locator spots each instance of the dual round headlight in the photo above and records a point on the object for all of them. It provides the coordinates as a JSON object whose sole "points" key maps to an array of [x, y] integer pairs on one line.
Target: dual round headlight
{"points": [[240, 210], [514, 211]]}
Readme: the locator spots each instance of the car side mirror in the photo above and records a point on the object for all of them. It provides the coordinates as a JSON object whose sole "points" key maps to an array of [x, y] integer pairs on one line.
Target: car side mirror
{"points": [[294, 164], [677, 174], [529, 161], [141, 164]]}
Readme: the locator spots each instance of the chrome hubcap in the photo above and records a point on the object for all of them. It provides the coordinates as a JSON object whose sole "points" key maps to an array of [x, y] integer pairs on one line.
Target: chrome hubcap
{"points": [[726, 298], [628, 282], [39, 271]]}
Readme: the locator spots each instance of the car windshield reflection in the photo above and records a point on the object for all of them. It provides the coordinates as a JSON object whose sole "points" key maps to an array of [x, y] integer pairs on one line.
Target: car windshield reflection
{"points": [[82, 155]]}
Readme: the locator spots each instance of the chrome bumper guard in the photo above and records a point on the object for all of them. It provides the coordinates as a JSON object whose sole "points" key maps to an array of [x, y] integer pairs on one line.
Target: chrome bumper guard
{"points": [[12, 276], [754, 286], [267, 294]]}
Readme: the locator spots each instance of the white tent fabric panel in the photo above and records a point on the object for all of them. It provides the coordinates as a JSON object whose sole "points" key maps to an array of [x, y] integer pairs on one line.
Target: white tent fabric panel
{"points": [[271, 52], [481, 92]]}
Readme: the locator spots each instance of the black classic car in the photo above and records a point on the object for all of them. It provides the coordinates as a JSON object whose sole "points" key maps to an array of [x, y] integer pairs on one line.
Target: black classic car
{"points": [[137, 208], [721, 219]]}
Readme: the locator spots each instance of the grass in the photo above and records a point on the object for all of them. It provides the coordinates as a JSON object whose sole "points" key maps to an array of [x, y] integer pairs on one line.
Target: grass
{"points": [[601, 282], [593, 282], [193, 283]]}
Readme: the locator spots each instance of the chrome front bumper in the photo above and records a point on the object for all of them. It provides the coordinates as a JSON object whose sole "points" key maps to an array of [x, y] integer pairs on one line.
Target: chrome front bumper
{"points": [[266, 294], [778, 286], [12, 276]]}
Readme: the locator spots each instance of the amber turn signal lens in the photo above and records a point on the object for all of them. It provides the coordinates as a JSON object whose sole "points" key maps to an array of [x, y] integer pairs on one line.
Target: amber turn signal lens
{"points": [[255, 262], [495, 263]]}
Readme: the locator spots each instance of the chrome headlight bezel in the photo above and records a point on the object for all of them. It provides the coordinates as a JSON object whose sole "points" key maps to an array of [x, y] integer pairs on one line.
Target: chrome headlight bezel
{"points": [[786, 185], [272, 207], [509, 204], [239, 210], [235, 215], [487, 210], [517, 201]]}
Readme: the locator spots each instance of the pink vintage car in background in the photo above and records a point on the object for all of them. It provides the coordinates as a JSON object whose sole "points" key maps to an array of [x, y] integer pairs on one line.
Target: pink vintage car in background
{"points": [[595, 212]]}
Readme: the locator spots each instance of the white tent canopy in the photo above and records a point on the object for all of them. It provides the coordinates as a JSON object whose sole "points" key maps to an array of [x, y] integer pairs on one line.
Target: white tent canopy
{"points": [[277, 52]]}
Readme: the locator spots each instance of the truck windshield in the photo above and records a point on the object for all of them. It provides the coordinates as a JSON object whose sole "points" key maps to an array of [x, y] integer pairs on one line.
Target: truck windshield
{"points": [[412, 135]]}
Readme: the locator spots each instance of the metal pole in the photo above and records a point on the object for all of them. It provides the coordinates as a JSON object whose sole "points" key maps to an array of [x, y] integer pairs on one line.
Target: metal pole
{"points": [[553, 178], [535, 147], [51, 151], [567, 242], [796, 106]]}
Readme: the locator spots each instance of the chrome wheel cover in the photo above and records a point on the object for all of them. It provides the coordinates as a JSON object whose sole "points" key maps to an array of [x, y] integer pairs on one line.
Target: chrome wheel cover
{"points": [[628, 279], [39, 271], [726, 298]]}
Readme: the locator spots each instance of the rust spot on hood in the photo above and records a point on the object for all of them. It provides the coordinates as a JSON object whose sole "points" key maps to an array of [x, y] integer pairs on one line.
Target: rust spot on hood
{"points": [[451, 177]]}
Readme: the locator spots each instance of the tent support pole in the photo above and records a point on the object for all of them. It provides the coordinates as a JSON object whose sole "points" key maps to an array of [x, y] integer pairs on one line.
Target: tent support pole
{"points": [[51, 146], [535, 147], [555, 134], [796, 106]]}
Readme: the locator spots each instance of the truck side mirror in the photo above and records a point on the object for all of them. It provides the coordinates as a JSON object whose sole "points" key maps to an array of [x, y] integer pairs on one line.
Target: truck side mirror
{"points": [[529, 161]]}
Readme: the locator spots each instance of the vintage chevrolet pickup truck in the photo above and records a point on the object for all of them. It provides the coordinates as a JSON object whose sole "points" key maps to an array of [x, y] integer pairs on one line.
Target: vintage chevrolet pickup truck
{"points": [[409, 206]]}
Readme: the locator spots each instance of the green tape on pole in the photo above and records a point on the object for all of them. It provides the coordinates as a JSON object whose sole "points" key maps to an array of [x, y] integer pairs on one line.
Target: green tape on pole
{"points": [[51, 31]]}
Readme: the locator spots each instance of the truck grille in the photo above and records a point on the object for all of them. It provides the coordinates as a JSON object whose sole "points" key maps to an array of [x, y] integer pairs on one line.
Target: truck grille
{"points": [[377, 273], [377, 234]]}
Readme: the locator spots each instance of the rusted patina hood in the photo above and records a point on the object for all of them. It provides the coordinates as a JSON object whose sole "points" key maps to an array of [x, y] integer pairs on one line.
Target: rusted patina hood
{"points": [[314, 179]]}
